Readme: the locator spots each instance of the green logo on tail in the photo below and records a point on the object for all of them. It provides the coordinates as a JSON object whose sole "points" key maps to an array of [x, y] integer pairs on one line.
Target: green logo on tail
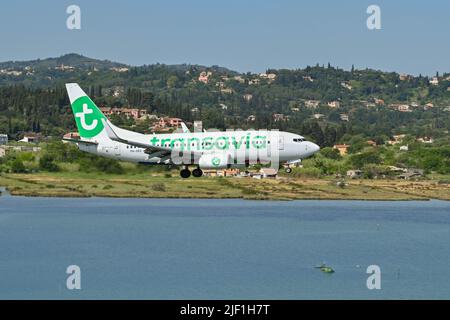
{"points": [[88, 117]]}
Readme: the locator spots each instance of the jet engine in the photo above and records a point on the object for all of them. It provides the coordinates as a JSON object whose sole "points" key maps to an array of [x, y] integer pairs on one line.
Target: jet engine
{"points": [[214, 161]]}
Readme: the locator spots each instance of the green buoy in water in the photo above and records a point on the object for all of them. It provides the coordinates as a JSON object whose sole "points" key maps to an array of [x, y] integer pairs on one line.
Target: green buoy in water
{"points": [[325, 269]]}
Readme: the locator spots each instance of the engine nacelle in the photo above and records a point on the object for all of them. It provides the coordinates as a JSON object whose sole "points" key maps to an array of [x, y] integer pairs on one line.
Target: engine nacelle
{"points": [[214, 161]]}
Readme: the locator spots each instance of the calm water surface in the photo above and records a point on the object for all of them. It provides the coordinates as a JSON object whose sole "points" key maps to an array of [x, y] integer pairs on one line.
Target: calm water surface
{"points": [[222, 249]]}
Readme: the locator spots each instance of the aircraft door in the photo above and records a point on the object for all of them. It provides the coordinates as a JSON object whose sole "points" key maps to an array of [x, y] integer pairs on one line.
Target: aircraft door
{"points": [[117, 150]]}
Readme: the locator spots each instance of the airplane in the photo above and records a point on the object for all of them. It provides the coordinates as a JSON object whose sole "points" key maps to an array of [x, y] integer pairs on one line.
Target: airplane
{"points": [[205, 150]]}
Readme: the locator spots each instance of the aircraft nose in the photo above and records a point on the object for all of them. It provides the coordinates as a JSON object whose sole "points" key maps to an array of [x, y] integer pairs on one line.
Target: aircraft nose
{"points": [[314, 147], [311, 148]]}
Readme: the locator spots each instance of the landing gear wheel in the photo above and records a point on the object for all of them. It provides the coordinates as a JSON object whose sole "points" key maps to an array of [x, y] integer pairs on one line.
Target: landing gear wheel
{"points": [[288, 170], [197, 172], [185, 173]]}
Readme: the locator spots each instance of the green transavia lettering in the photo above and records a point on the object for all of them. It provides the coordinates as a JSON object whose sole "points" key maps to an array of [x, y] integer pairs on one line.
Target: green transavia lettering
{"points": [[209, 143]]}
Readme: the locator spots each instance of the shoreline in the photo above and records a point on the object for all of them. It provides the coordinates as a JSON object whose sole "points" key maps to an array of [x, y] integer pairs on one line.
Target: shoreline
{"points": [[212, 198], [65, 185]]}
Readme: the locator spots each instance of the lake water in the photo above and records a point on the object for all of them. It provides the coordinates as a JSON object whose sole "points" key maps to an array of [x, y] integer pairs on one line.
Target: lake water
{"points": [[222, 249]]}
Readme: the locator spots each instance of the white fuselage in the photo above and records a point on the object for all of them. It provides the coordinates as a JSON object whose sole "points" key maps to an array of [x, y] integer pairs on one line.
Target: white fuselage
{"points": [[241, 146]]}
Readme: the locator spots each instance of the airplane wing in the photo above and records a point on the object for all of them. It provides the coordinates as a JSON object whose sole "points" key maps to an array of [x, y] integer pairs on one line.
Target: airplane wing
{"points": [[114, 134], [150, 149]]}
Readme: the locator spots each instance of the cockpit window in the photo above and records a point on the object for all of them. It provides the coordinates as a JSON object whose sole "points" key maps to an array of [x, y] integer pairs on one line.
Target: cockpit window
{"points": [[299, 140]]}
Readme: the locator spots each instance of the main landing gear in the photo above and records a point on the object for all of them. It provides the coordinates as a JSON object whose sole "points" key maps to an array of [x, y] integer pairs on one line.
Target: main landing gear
{"points": [[288, 169], [186, 173], [197, 172]]}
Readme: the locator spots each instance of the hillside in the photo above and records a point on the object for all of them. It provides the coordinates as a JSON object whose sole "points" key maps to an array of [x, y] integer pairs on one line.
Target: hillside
{"points": [[325, 103], [72, 59]]}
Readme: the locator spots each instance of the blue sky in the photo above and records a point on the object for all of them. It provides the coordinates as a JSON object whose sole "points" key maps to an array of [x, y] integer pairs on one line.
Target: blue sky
{"points": [[244, 35]]}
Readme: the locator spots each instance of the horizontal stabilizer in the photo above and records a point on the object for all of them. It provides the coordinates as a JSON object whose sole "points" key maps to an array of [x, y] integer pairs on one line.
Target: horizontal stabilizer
{"points": [[80, 141]]}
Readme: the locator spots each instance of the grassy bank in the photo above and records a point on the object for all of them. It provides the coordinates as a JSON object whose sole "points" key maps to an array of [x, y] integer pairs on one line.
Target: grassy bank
{"points": [[158, 185]]}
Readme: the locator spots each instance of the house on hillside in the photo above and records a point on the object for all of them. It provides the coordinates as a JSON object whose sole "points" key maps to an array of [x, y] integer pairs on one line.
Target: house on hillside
{"points": [[204, 76], [397, 139], [425, 140], [334, 104], [404, 108], [342, 148], [169, 122], [232, 172], [318, 116], [31, 138], [434, 81], [279, 117], [312, 104], [427, 106], [71, 135], [379, 101]]}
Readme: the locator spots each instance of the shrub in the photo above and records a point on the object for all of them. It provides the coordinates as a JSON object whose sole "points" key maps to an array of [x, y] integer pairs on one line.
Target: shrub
{"points": [[108, 165], [159, 187], [100, 164], [46, 162], [17, 166], [331, 153], [360, 159], [307, 172]]}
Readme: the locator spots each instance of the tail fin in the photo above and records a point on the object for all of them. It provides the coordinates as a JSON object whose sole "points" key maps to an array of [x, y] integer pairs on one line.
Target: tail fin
{"points": [[88, 116]]}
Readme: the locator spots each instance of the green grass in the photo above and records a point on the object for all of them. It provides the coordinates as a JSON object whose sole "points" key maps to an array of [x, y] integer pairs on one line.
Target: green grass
{"points": [[158, 185]]}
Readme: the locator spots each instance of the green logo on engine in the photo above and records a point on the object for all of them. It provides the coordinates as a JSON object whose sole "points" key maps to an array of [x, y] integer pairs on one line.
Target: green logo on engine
{"points": [[215, 161]]}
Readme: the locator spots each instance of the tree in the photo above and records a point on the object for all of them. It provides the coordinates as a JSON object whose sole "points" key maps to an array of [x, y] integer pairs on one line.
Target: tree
{"points": [[331, 153], [317, 133], [46, 162], [17, 166], [172, 81], [359, 160]]}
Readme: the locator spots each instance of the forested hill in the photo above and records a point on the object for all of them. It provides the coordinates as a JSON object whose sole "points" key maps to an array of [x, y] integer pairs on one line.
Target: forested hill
{"points": [[74, 60], [324, 102]]}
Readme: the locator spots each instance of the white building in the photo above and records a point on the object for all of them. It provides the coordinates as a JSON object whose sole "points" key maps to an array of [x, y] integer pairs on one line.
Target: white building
{"points": [[434, 81], [312, 103], [198, 126], [318, 116], [3, 139], [30, 138], [334, 104]]}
